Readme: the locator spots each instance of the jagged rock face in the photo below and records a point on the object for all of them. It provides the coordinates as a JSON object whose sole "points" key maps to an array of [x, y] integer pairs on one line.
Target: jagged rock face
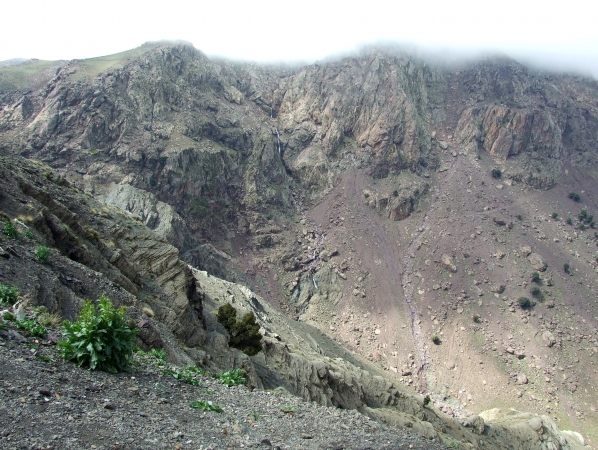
{"points": [[100, 250]]}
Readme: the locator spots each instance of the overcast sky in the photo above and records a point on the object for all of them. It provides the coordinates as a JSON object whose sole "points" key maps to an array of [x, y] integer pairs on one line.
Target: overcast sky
{"points": [[561, 32]]}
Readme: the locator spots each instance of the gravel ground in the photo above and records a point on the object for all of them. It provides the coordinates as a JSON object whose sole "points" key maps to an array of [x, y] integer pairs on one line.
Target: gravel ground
{"points": [[46, 403]]}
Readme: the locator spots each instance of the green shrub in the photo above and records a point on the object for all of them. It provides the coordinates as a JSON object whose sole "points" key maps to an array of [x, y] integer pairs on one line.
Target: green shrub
{"points": [[436, 340], [245, 333], [567, 268], [569, 221], [42, 254], [536, 278], [524, 302], [496, 173], [32, 327], [28, 234], [555, 215], [519, 217], [574, 196], [184, 375], [159, 354], [395, 193], [232, 377], [537, 293], [99, 339], [288, 408], [10, 230], [8, 294], [427, 400], [476, 318], [206, 406], [582, 215]]}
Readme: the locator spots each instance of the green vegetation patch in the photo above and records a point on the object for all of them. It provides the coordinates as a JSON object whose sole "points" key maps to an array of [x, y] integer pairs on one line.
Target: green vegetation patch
{"points": [[206, 406], [100, 338], [245, 333], [8, 294], [232, 377]]}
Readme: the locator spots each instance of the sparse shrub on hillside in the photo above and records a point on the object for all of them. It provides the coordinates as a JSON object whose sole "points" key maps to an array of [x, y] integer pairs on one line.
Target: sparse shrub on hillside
{"points": [[555, 215], [8, 294], [519, 217], [537, 293], [245, 333], [206, 406], [582, 215], [536, 278], [427, 400], [395, 193], [232, 377], [436, 340], [569, 221], [574, 196], [100, 338], [32, 327], [496, 173], [42, 254], [10, 230], [524, 302], [567, 268], [476, 318], [28, 234]]}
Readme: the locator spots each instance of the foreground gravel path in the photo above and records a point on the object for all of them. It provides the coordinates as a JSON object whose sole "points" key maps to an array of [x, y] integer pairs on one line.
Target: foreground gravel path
{"points": [[46, 403]]}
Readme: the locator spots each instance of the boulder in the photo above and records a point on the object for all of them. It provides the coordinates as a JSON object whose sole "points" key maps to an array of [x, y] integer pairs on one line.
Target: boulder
{"points": [[537, 262]]}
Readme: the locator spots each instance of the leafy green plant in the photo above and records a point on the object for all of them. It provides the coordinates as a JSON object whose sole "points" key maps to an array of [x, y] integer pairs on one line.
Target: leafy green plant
{"points": [[232, 377], [555, 215], [10, 230], [536, 278], [100, 339], [32, 327], [524, 302], [496, 173], [28, 234], [8, 294], [427, 400], [567, 268], [206, 406], [183, 375], [195, 369], [245, 333], [42, 253], [158, 353], [436, 340], [569, 221]]}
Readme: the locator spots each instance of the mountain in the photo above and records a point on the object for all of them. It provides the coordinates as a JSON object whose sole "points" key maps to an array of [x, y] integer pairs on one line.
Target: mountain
{"points": [[392, 206]]}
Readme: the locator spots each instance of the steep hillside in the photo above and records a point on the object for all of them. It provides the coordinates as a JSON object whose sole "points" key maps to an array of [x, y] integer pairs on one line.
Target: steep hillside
{"points": [[380, 198]]}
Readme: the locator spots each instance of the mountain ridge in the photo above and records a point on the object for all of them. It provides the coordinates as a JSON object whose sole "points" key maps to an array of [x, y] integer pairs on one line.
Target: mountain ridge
{"points": [[339, 192]]}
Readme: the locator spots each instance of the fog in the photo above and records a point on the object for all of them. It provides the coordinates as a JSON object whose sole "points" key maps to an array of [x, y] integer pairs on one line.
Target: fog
{"points": [[558, 36]]}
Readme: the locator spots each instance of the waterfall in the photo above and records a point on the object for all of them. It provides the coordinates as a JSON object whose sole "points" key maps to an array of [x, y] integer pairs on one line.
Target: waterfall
{"points": [[278, 140]]}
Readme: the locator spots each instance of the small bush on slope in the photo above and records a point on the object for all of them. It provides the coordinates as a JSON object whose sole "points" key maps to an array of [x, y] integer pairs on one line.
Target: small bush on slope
{"points": [[245, 333], [99, 339]]}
